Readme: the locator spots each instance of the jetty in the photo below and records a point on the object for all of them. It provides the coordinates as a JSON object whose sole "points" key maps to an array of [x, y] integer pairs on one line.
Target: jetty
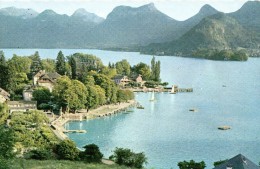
{"points": [[74, 131], [175, 89]]}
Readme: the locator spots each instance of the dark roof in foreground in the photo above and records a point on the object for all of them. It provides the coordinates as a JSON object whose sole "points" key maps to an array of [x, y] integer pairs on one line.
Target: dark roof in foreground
{"points": [[238, 162]]}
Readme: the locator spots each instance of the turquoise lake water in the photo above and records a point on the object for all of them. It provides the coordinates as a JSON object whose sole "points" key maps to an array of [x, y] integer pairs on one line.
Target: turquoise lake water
{"points": [[225, 93]]}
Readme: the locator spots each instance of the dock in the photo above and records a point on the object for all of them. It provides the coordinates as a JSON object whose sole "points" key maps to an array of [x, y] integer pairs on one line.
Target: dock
{"points": [[74, 131]]}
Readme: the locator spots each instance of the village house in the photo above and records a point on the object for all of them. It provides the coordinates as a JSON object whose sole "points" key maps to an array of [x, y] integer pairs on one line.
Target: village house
{"points": [[4, 96], [237, 162], [28, 93], [121, 80], [21, 106], [45, 79]]}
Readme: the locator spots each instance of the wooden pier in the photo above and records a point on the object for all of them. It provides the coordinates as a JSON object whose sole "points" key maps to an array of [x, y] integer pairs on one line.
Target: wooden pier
{"points": [[74, 131]]}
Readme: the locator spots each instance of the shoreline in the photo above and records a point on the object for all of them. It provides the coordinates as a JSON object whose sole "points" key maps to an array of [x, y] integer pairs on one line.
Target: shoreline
{"points": [[102, 111]]}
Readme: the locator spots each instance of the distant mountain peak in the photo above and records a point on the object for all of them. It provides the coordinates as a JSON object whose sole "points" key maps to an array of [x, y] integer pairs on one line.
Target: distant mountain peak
{"points": [[207, 9], [48, 12], [150, 7], [18, 12], [81, 13]]}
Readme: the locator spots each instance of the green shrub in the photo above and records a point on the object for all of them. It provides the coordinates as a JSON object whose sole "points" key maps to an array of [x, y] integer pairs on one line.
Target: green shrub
{"points": [[191, 165], [128, 158], [67, 150], [40, 154], [91, 153]]}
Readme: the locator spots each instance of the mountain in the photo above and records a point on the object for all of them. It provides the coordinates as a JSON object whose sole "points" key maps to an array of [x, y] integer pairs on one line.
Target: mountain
{"points": [[205, 11], [82, 14], [218, 31], [16, 12], [249, 15], [126, 26], [47, 30]]}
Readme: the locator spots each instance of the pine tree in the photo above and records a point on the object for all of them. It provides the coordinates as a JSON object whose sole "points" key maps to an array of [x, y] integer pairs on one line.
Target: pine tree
{"points": [[60, 64], [36, 65], [153, 68], [2, 58], [157, 71]]}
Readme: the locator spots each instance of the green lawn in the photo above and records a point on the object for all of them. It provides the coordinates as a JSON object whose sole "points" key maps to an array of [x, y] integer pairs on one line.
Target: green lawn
{"points": [[58, 164]]}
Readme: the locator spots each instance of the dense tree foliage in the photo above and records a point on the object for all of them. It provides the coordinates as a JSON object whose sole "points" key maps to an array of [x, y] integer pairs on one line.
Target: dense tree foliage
{"points": [[155, 70], [191, 165], [123, 67], [128, 158], [70, 93], [60, 64], [142, 69], [36, 65], [31, 130], [91, 153], [42, 95], [3, 113], [6, 142], [67, 150], [228, 55], [48, 65], [2, 58]]}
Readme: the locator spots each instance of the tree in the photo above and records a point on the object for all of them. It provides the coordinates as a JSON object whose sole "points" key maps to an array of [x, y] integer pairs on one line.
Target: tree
{"points": [[36, 65], [128, 158], [5, 77], [142, 69], [42, 95], [123, 67], [48, 65], [67, 150], [60, 64], [192, 165], [155, 70], [91, 153], [70, 93], [3, 113], [6, 142], [2, 58], [19, 64]]}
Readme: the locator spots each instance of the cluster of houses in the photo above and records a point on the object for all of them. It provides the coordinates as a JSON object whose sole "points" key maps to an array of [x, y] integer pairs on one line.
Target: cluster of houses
{"points": [[123, 81], [47, 80], [42, 79]]}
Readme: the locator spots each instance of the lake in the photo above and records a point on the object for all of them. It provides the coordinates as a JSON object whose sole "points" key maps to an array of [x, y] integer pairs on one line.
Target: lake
{"points": [[225, 93]]}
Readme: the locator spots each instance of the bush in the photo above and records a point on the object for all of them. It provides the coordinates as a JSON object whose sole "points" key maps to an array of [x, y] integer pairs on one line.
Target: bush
{"points": [[91, 153], [67, 150], [192, 165], [4, 163], [40, 154], [128, 158]]}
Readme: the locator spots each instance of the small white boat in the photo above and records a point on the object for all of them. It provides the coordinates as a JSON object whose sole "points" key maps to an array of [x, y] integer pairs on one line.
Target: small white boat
{"points": [[152, 97]]}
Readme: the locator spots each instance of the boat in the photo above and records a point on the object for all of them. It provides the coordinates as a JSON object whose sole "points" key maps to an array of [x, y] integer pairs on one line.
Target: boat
{"points": [[193, 110], [224, 127], [152, 97], [140, 107]]}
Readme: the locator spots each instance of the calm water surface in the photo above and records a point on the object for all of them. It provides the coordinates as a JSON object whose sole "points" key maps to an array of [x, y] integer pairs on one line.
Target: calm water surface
{"points": [[165, 130]]}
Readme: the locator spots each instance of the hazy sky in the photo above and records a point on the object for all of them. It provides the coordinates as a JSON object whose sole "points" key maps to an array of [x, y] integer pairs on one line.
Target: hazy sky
{"points": [[177, 9]]}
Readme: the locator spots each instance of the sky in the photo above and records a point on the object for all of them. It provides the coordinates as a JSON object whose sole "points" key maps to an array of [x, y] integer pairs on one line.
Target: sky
{"points": [[177, 9]]}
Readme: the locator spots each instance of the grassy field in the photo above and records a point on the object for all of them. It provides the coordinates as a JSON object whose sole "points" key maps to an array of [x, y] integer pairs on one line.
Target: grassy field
{"points": [[58, 164]]}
